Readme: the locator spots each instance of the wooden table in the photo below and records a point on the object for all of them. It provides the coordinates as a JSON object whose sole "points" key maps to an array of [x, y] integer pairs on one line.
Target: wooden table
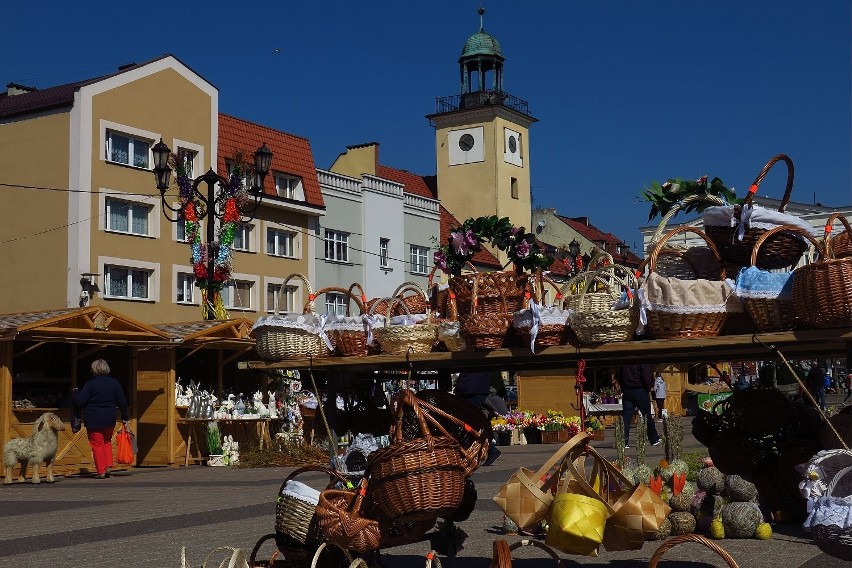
{"points": [[261, 426]]}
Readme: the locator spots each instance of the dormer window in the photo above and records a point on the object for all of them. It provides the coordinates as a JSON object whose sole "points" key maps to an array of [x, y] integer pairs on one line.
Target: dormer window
{"points": [[289, 187]]}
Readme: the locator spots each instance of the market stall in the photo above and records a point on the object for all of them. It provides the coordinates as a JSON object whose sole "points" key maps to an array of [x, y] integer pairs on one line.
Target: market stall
{"points": [[43, 355]]}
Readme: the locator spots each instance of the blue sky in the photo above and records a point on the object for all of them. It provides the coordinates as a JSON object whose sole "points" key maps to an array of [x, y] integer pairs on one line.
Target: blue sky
{"points": [[626, 92]]}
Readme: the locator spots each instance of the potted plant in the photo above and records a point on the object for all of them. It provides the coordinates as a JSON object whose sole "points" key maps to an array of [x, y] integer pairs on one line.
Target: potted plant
{"points": [[215, 457], [502, 430], [595, 427], [534, 427]]}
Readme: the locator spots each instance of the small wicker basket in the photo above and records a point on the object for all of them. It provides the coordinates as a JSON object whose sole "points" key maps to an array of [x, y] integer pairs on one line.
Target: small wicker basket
{"points": [[592, 317], [288, 336], [347, 332], [399, 339], [552, 320], [486, 330], [294, 512], [841, 245]]}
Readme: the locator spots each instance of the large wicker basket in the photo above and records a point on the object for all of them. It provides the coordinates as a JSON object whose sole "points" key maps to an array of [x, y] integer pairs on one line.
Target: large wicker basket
{"points": [[347, 332], [489, 329], [288, 336], [735, 245], [501, 293], [294, 511], [399, 338], [539, 325], [675, 312], [822, 291], [841, 245], [592, 317]]}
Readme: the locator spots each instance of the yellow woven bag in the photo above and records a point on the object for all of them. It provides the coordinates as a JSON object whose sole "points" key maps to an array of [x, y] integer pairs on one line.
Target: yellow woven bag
{"points": [[576, 524]]}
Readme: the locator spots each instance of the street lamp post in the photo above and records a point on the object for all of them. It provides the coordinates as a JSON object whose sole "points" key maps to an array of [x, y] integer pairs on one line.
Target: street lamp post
{"points": [[214, 204], [623, 251], [574, 251]]}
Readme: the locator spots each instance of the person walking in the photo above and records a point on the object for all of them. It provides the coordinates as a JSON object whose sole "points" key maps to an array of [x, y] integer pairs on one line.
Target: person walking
{"points": [[475, 388], [816, 383], [99, 398], [660, 396], [637, 382]]}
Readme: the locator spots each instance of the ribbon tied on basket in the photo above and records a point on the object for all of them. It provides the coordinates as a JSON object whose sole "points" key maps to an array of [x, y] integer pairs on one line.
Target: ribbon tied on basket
{"points": [[644, 305], [321, 332], [535, 310], [370, 321]]}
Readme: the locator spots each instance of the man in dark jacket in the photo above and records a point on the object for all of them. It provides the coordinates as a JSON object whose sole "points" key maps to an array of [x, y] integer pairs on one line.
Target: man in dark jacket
{"points": [[99, 397], [475, 388], [637, 382]]}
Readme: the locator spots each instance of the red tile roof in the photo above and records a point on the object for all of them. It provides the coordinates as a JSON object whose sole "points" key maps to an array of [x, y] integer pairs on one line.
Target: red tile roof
{"points": [[583, 226], [414, 184], [482, 258], [290, 154]]}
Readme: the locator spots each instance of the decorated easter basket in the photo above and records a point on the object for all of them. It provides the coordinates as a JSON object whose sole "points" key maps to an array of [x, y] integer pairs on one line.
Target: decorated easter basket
{"points": [[489, 329], [399, 335], [289, 336], [593, 318], [539, 325], [348, 333]]}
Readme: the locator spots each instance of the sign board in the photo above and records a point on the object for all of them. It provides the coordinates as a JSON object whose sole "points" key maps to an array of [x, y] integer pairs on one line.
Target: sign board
{"points": [[706, 401]]}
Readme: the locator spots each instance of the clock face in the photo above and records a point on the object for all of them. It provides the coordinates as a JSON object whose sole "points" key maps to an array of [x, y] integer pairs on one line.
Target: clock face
{"points": [[466, 142], [513, 144]]}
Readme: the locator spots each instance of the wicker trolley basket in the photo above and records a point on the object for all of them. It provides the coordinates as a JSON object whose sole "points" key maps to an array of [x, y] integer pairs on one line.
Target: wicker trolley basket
{"points": [[288, 336]]}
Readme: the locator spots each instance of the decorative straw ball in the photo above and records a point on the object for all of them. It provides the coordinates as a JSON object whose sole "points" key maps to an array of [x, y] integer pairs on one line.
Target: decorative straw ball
{"points": [[690, 489], [665, 471], [679, 466], [739, 489], [665, 493], [741, 519], [643, 473], [664, 531], [680, 503], [630, 474], [711, 480], [763, 531], [682, 523], [714, 504]]}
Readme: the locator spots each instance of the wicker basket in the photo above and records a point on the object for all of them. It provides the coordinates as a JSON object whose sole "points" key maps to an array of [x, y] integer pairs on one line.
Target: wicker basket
{"points": [[675, 540], [769, 305], [486, 330], [834, 539], [841, 245], [294, 512], [502, 293], [784, 249], [290, 336], [347, 332], [399, 339], [417, 479], [822, 291], [592, 318], [670, 319], [550, 322], [341, 521]]}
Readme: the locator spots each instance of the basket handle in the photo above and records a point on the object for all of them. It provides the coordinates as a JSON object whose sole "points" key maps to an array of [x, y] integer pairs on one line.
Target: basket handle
{"points": [[756, 183], [323, 546], [675, 540], [314, 468], [309, 305], [362, 297], [334, 289], [475, 298], [411, 287], [406, 397], [829, 490], [656, 250], [828, 224], [528, 542], [674, 210], [785, 229]]}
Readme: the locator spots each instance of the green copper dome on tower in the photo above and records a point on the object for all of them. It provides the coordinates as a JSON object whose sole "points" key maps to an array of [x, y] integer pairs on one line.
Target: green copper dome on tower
{"points": [[481, 43]]}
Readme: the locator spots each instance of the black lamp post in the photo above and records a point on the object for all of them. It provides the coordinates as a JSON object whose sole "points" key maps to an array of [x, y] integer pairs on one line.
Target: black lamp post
{"points": [[212, 204], [623, 251], [574, 251]]}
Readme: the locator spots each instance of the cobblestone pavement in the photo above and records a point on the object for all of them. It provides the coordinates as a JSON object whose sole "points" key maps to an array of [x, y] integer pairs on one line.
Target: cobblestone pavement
{"points": [[144, 517]]}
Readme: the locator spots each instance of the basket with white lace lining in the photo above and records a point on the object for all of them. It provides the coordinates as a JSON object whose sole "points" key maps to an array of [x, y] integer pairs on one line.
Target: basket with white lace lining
{"points": [[831, 519], [677, 308], [603, 306], [540, 325]]}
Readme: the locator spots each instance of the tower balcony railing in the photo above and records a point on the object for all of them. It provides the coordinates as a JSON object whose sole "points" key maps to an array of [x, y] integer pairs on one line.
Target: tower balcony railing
{"points": [[479, 99]]}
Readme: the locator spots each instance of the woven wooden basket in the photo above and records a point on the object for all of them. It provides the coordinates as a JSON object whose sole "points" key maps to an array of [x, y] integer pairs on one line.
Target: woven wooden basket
{"points": [[782, 250], [402, 339], [676, 540], [295, 517], [592, 318], [417, 479], [502, 293], [290, 336], [486, 330], [773, 313], [689, 321], [841, 245], [822, 291], [342, 522], [347, 332], [552, 330]]}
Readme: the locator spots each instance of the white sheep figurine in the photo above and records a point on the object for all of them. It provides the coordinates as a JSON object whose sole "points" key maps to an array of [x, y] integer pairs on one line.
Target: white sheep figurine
{"points": [[39, 447]]}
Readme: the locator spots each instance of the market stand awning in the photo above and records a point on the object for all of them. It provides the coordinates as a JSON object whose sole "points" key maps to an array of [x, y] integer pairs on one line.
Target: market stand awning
{"points": [[792, 344], [93, 324], [228, 334]]}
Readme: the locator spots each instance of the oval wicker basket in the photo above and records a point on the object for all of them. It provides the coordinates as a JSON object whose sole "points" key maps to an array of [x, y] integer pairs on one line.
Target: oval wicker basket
{"points": [[592, 318], [822, 291], [841, 245], [347, 332], [404, 338], [486, 330], [502, 293], [553, 324], [782, 250], [291, 336], [340, 518]]}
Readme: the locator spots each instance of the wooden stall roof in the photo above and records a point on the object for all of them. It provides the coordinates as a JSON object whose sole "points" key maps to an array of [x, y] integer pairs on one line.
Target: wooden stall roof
{"points": [[93, 324], [792, 344], [210, 334]]}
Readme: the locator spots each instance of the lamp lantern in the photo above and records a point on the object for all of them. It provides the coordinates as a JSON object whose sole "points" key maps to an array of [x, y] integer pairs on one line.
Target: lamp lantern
{"points": [[574, 248], [623, 250], [162, 171]]}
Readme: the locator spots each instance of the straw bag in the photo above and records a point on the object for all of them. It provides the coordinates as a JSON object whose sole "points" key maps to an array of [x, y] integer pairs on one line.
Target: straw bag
{"points": [[348, 333], [416, 479], [539, 325], [526, 497], [675, 540], [822, 290], [407, 333], [576, 524], [489, 329], [593, 316], [734, 229], [294, 511], [288, 336], [768, 296], [831, 519], [341, 521], [684, 309]]}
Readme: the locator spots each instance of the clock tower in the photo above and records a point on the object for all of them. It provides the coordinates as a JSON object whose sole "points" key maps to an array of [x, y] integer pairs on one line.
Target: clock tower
{"points": [[482, 139]]}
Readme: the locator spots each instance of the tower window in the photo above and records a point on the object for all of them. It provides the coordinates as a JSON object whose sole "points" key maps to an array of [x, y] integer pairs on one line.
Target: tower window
{"points": [[514, 188]]}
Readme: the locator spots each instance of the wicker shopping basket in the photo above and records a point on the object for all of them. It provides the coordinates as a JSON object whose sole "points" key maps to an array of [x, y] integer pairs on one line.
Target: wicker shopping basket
{"points": [[822, 291], [294, 511], [347, 332], [685, 309], [288, 336], [735, 245], [341, 520], [416, 479], [501, 293], [399, 335], [592, 317], [552, 320], [484, 330]]}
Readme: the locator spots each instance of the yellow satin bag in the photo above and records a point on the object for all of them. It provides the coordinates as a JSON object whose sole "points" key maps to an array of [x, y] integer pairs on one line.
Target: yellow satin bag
{"points": [[576, 524]]}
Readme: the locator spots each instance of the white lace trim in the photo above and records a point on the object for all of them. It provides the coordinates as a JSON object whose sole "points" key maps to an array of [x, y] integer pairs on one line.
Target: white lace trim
{"points": [[350, 323], [763, 294], [705, 309], [306, 322]]}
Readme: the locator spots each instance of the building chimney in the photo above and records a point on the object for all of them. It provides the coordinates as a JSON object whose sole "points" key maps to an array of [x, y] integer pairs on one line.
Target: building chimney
{"points": [[126, 66], [13, 89]]}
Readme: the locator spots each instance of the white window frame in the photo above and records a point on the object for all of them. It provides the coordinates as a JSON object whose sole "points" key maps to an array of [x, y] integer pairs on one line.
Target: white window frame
{"points": [[152, 268], [290, 298], [414, 257], [253, 299], [249, 238], [384, 246], [298, 296], [134, 209], [336, 238], [179, 270], [291, 188], [281, 235], [198, 163], [107, 127], [335, 303], [154, 212]]}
